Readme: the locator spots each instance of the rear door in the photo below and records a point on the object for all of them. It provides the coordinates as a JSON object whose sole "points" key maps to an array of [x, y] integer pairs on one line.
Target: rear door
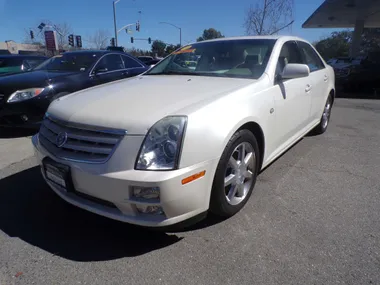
{"points": [[109, 68], [319, 79], [132, 66], [292, 97]]}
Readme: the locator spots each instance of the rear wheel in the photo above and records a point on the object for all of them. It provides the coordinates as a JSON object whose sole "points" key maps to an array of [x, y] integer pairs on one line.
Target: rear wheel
{"points": [[236, 174], [325, 119]]}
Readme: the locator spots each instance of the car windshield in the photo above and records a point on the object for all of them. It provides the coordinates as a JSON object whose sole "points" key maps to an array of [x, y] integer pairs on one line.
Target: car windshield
{"points": [[69, 62], [246, 58]]}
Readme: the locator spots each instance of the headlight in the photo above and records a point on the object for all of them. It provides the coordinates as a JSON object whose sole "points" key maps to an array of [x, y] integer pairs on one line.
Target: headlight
{"points": [[162, 145], [26, 94]]}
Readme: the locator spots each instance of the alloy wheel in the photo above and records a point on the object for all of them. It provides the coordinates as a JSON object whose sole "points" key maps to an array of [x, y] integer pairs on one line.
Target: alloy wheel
{"points": [[239, 173], [326, 113]]}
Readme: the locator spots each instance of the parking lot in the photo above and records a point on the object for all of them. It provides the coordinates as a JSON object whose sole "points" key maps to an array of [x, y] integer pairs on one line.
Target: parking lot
{"points": [[313, 219]]}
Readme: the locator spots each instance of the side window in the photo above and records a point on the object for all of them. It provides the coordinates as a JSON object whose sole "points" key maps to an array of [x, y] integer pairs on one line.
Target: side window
{"points": [[130, 62], [310, 57], [112, 62], [33, 62], [26, 65], [290, 53]]}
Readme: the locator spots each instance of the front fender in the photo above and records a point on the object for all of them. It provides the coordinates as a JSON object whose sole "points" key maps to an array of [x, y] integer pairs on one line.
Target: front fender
{"points": [[210, 128]]}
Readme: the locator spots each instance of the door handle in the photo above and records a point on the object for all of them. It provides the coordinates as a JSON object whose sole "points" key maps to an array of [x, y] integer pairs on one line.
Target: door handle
{"points": [[326, 78], [308, 88]]}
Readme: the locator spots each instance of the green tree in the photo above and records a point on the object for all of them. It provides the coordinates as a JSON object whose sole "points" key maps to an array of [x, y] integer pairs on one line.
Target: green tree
{"points": [[158, 47], [371, 40], [210, 34], [337, 45], [171, 48]]}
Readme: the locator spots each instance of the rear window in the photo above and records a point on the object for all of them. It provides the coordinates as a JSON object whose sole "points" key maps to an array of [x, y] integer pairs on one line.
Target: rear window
{"points": [[10, 62]]}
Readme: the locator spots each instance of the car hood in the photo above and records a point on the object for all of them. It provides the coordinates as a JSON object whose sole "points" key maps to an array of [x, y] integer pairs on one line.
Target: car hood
{"points": [[136, 104], [30, 79]]}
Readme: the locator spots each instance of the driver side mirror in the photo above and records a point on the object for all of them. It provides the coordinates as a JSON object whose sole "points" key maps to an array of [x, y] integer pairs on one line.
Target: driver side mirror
{"points": [[100, 69], [295, 70]]}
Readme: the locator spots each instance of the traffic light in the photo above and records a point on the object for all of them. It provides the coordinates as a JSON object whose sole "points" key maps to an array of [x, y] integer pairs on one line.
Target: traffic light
{"points": [[71, 40], [132, 40], [31, 35], [138, 26], [79, 41], [149, 40], [112, 42]]}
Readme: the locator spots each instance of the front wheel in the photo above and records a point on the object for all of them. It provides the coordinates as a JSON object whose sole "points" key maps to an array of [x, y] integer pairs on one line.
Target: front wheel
{"points": [[236, 174]]}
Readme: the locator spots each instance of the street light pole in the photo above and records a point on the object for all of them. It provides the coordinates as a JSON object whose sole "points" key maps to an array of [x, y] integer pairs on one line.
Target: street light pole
{"points": [[180, 31], [180, 36], [114, 19]]}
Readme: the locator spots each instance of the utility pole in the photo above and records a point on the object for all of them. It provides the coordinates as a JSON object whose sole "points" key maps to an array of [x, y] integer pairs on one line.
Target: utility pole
{"points": [[114, 19]]}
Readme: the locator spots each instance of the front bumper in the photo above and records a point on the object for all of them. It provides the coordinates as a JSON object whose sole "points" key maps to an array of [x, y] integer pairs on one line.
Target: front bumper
{"points": [[25, 114], [106, 190]]}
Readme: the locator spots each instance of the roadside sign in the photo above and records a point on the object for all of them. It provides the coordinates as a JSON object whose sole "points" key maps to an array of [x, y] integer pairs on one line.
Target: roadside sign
{"points": [[51, 40]]}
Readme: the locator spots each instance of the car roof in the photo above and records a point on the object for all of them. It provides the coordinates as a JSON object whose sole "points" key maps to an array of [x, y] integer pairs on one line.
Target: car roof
{"points": [[22, 56], [97, 52], [277, 37]]}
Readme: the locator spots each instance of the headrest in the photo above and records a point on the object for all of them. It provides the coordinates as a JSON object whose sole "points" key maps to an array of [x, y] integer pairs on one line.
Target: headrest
{"points": [[252, 59]]}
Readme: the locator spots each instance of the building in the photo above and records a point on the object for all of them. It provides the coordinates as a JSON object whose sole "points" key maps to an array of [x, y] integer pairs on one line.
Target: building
{"points": [[11, 47], [357, 14]]}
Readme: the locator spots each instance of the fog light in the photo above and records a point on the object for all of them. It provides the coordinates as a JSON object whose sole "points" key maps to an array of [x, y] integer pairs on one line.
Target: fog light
{"points": [[146, 193], [24, 118], [153, 210]]}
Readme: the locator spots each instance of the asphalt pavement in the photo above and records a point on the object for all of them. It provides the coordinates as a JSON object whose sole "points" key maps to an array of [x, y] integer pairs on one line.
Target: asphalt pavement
{"points": [[314, 218]]}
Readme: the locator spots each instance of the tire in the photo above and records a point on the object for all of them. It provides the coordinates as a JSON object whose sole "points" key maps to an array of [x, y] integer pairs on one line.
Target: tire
{"points": [[325, 119], [224, 203]]}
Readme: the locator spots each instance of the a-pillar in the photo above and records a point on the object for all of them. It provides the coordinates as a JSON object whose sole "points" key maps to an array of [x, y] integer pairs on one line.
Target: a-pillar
{"points": [[357, 38]]}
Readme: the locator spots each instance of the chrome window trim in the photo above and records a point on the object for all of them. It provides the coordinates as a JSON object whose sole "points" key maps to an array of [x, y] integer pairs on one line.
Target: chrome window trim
{"points": [[85, 127], [107, 72]]}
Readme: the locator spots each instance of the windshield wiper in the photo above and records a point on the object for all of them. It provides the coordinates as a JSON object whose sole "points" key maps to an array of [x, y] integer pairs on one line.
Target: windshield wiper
{"points": [[178, 73]]}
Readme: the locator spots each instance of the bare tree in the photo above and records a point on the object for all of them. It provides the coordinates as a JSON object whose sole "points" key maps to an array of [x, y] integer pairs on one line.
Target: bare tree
{"points": [[63, 31], [268, 17], [99, 40]]}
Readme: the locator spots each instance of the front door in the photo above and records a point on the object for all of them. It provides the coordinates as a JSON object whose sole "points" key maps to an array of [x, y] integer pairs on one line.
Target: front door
{"points": [[292, 98], [109, 68], [319, 77]]}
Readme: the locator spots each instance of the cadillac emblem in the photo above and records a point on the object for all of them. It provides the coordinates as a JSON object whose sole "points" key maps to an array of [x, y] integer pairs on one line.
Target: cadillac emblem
{"points": [[61, 139]]}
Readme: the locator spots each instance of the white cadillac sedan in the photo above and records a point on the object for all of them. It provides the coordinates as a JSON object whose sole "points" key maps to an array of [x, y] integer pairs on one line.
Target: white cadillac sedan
{"points": [[180, 140]]}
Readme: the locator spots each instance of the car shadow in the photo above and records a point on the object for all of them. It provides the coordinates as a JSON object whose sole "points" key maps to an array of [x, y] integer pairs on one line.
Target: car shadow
{"points": [[32, 212], [365, 94], [12, 133]]}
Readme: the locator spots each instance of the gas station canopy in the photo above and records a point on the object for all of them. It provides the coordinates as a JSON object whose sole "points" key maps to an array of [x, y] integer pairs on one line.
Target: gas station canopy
{"points": [[357, 14], [344, 14]]}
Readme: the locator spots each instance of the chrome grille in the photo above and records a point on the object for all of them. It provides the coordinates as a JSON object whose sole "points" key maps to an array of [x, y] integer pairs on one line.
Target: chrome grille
{"points": [[81, 144]]}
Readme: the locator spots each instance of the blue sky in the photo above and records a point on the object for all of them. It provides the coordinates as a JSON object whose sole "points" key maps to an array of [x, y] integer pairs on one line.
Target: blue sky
{"points": [[87, 16]]}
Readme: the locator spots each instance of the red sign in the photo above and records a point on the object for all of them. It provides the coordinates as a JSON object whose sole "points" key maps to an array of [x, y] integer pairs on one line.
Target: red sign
{"points": [[51, 40]]}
